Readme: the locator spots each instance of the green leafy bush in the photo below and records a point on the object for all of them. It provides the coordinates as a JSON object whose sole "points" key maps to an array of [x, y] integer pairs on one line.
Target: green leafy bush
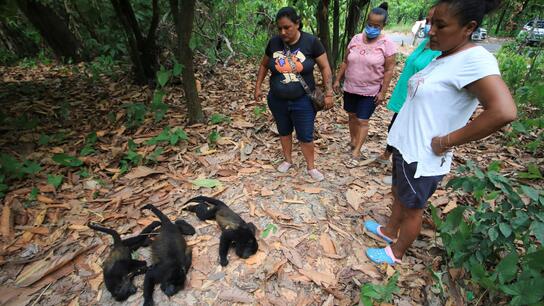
{"points": [[135, 114], [169, 136], [371, 293], [67, 160], [131, 158], [499, 239]]}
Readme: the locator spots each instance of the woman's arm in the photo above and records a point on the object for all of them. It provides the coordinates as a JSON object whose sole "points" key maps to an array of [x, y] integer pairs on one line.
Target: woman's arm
{"points": [[341, 72], [263, 69], [389, 65], [323, 63], [499, 110]]}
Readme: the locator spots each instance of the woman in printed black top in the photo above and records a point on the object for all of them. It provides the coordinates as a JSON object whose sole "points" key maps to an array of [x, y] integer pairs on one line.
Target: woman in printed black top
{"points": [[290, 105]]}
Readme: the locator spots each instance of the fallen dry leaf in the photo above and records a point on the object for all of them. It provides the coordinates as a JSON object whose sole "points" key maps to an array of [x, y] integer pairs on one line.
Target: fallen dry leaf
{"points": [[256, 259], [27, 236], [266, 193], [6, 222], [35, 271], [451, 206], [319, 278], [327, 244], [236, 295], [44, 199], [368, 269], [141, 171], [354, 196]]}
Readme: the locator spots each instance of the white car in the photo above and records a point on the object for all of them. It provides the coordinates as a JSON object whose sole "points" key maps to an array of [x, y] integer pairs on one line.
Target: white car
{"points": [[479, 34], [535, 34], [417, 28]]}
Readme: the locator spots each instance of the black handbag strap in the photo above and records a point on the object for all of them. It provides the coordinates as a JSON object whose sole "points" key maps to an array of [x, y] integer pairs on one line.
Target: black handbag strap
{"points": [[295, 72]]}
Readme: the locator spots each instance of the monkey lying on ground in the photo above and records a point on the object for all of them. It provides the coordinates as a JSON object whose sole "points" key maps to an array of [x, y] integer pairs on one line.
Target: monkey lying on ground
{"points": [[171, 257], [234, 229], [119, 268]]}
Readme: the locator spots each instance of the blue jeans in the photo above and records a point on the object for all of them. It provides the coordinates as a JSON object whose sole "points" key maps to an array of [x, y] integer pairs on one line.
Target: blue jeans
{"points": [[296, 114]]}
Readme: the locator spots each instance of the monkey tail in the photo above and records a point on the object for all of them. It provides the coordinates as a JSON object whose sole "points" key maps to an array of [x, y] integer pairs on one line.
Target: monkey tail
{"points": [[164, 219], [112, 232], [205, 199]]}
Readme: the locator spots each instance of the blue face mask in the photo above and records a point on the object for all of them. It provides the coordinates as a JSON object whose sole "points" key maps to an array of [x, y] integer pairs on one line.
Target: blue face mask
{"points": [[372, 32], [427, 29]]}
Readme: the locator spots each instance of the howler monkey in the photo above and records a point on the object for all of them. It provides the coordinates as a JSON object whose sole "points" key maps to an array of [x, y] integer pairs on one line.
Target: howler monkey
{"points": [[234, 230], [119, 268], [171, 257]]}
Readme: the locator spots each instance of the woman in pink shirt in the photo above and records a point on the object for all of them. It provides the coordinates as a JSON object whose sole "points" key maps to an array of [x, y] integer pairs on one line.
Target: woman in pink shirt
{"points": [[367, 71]]}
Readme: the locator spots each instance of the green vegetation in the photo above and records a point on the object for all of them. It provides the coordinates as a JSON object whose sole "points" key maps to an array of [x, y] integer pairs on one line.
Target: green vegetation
{"points": [[371, 293], [498, 239]]}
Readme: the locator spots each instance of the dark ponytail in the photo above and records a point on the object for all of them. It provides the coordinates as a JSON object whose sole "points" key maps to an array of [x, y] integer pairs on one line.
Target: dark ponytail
{"points": [[381, 11], [290, 13], [471, 10]]}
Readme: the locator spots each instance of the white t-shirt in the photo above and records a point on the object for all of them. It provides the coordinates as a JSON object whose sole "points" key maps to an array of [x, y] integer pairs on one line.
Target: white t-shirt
{"points": [[437, 104]]}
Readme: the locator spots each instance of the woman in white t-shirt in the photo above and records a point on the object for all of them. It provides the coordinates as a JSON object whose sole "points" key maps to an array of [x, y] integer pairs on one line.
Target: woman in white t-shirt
{"points": [[441, 99]]}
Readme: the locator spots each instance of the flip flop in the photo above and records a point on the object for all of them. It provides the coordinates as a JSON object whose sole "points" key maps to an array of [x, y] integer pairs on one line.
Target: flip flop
{"points": [[373, 227], [383, 161], [380, 256], [351, 162]]}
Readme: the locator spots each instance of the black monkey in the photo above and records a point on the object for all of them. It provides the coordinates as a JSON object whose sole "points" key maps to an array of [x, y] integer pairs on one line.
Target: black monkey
{"points": [[171, 257], [119, 268], [234, 230]]}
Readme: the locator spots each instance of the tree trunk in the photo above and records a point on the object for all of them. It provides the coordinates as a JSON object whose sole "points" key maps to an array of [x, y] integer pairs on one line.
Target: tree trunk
{"points": [[501, 19], [184, 29], [142, 50], [16, 42], [354, 15], [352, 20], [335, 33], [323, 32], [52, 28]]}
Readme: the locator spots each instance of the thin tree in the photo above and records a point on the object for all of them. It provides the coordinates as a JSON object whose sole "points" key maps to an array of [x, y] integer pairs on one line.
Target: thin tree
{"points": [[335, 34], [184, 28], [323, 32], [52, 28], [142, 49]]}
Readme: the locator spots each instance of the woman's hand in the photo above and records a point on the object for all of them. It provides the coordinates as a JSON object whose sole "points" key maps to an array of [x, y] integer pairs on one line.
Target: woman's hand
{"points": [[329, 103], [336, 87], [257, 95], [380, 97], [439, 145]]}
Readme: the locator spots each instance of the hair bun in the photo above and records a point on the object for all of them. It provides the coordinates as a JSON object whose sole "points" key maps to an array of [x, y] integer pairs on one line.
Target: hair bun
{"points": [[491, 5], [384, 6]]}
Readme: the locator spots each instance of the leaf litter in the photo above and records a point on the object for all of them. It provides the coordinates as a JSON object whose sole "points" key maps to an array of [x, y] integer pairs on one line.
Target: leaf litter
{"points": [[313, 249]]}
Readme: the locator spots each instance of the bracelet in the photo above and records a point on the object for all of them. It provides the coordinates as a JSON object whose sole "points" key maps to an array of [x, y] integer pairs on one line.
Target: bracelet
{"points": [[448, 144]]}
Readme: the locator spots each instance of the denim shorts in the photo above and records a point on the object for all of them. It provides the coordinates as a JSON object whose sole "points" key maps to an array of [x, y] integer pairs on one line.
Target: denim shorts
{"points": [[412, 192], [362, 106], [297, 114]]}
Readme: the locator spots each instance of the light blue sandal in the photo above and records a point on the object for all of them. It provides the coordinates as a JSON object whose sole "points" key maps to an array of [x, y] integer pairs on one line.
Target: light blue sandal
{"points": [[380, 256], [373, 227]]}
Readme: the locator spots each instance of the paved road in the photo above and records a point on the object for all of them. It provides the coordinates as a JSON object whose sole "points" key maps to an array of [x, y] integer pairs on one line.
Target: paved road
{"points": [[401, 38]]}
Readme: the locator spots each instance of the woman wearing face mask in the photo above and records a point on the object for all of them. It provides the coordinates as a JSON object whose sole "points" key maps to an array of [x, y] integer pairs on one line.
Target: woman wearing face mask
{"points": [[419, 59], [288, 101], [367, 71], [433, 120]]}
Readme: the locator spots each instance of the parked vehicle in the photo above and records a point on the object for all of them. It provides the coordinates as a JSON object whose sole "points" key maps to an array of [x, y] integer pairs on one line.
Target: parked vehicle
{"points": [[479, 34], [533, 32], [417, 28]]}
